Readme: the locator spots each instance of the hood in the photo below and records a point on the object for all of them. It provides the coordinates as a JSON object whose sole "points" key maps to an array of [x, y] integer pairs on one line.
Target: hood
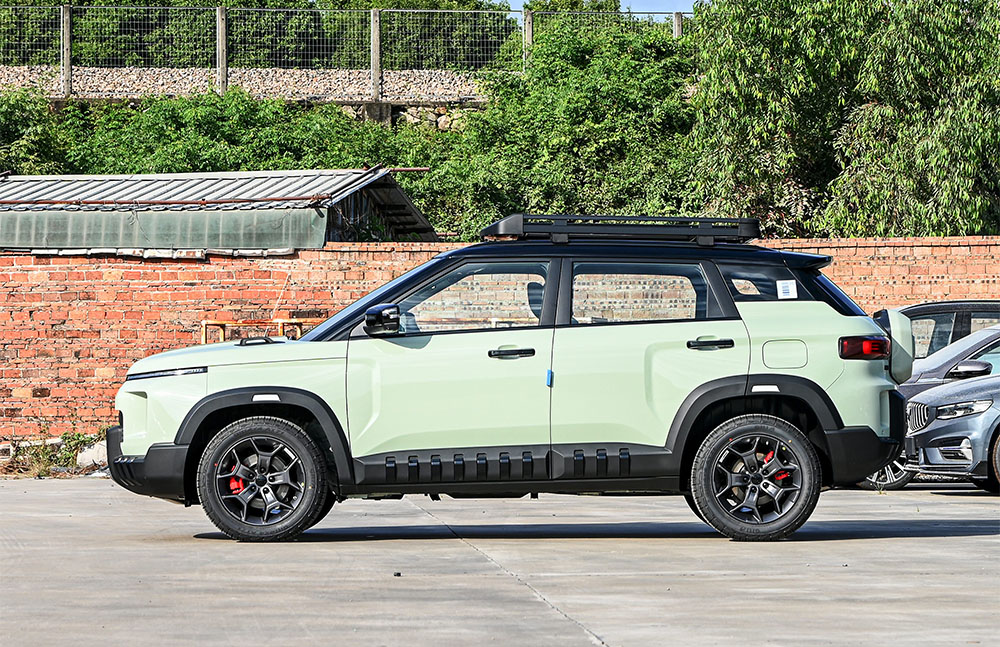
{"points": [[978, 388], [230, 352]]}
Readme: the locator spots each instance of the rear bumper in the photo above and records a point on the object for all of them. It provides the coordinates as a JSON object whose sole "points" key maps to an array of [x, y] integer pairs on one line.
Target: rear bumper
{"points": [[158, 473], [857, 452]]}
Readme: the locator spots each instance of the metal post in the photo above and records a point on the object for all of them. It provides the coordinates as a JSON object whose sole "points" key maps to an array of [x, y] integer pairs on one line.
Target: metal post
{"points": [[678, 24], [529, 33], [221, 51], [66, 51], [376, 56]]}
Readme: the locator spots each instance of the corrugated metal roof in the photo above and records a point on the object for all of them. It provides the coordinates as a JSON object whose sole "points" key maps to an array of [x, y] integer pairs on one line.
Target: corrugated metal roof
{"points": [[191, 191]]}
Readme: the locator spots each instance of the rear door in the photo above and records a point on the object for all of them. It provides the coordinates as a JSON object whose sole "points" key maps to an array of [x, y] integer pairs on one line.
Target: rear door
{"points": [[634, 339]]}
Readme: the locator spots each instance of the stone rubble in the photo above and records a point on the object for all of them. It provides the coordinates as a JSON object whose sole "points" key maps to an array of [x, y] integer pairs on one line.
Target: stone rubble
{"points": [[301, 84]]}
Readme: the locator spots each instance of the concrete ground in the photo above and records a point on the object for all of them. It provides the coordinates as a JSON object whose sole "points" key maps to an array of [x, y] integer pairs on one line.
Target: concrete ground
{"points": [[85, 562]]}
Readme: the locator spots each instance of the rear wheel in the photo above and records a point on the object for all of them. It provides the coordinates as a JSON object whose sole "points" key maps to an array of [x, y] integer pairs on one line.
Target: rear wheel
{"points": [[694, 506], [756, 478], [890, 477], [262, 479]]}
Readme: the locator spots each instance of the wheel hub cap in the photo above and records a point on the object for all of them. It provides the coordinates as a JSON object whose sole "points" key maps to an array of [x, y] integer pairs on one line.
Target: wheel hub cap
{"points": [[756, 478], [260, 480]]}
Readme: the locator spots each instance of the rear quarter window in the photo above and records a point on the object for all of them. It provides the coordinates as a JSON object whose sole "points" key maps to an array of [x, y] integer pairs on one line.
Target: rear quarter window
{"points": [[763, 283]]}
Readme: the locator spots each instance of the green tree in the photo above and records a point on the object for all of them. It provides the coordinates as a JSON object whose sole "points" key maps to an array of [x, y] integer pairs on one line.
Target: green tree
{"points": [[597, 124], [840, 117]]}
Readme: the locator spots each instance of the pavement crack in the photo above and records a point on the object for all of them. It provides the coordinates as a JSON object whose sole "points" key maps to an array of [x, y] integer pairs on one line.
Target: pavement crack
{"points": [[594, 638]]}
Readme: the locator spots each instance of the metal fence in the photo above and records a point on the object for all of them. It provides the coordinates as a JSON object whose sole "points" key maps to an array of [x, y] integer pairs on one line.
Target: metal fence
{"points": [[345, 55]]}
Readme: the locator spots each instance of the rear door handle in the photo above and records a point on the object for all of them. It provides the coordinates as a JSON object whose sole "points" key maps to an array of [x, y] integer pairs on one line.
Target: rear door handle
{"points": [[500, 353], [711, 344]]}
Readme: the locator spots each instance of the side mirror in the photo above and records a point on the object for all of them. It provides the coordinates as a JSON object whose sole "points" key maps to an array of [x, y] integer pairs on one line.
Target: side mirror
{"points": [[969, 368], [382, 319]]}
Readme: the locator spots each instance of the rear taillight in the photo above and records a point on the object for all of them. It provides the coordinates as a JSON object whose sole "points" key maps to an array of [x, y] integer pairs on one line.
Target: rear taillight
{"points": [[865, 347]]}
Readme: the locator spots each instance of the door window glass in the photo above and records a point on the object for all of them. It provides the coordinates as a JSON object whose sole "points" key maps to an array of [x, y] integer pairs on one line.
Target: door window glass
{"points": [[931, 333], [990, 354], [478, 296], [631, 292], [982, 320]]}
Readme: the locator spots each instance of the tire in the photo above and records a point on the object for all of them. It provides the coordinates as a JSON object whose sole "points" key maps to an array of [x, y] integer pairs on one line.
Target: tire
{"points": [[890, 477], [694, 507], [262, 479], [992, 482], [331, 498], [756, 478]]}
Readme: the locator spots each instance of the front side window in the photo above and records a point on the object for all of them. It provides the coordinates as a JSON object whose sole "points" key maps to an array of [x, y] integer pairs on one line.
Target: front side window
{"points": [[990, 354], [478, 296], [931, 333], [636, 292]]}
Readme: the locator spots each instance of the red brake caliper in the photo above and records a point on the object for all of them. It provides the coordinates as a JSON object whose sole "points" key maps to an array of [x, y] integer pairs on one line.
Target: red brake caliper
{"points": [[236, 485], [779, 475]]}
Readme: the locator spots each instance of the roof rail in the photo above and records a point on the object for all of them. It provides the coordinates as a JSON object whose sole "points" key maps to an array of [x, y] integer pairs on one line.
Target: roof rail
{"points": [[560, 228]]}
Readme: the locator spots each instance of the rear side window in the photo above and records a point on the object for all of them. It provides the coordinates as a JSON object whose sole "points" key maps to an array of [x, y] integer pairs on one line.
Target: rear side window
{"points": [[763, 283], [982, 320], [605, 293], [931, 333], [823, 289]]}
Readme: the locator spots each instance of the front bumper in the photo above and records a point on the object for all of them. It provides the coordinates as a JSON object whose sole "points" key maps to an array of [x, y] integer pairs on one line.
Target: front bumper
{"points": [[936, 449], [159, 473], [857, 452]]}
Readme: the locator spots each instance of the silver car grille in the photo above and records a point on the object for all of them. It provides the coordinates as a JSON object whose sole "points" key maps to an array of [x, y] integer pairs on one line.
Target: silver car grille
{"points": [[916, 416]]}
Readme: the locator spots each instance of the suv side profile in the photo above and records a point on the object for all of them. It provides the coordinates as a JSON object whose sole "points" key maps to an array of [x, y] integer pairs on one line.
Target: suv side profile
{"points": [[577, 354]]}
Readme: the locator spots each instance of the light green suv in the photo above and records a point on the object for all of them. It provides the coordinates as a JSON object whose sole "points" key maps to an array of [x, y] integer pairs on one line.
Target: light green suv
{"points": [[571, 354]]}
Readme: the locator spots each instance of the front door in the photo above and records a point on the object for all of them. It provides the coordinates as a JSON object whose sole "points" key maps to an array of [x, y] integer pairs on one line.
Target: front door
{"points": [[640, 336], [461, 394]]}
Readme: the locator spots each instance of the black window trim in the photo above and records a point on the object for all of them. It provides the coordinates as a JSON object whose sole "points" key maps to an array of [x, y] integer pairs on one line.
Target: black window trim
{"points": [[713, 280], [355, 332]]}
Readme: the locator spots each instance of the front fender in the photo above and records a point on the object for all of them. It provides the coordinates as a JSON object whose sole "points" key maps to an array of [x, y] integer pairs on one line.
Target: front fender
{"points": [[275, 395]]}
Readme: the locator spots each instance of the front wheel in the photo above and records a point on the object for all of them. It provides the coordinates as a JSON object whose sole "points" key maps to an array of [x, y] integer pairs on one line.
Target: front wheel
{"points": [[756, 478], [262, 479], [890, 477], [992, 481]]}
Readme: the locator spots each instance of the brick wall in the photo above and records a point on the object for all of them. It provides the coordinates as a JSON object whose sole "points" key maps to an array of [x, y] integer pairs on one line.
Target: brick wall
{"points": [[71, 326]]}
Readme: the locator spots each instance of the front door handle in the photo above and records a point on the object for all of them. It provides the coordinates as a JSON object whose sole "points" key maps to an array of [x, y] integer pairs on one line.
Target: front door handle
{"points": [[710, 344], [500, 353]]}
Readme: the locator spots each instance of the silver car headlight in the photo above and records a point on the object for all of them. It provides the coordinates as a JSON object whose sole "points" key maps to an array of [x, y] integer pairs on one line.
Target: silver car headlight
{"points": [[962, 409]]}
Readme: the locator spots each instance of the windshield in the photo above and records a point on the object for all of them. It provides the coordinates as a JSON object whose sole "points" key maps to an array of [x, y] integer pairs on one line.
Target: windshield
{"points": [[319, 333]]}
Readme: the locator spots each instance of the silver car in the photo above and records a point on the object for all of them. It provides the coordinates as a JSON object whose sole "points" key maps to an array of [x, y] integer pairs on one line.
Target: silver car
{"points": [[952, 430], [976, 355]]}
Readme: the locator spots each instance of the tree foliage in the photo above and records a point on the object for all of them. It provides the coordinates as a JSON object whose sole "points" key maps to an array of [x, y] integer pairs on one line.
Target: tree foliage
{"points": [[840, 117], [821, 117]]}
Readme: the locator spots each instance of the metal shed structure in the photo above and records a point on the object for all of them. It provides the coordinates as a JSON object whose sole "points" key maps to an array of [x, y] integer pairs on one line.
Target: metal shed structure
{"points": [[247, 210]]}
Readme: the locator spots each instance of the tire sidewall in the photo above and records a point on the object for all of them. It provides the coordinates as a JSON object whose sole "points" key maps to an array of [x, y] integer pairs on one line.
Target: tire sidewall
{"points": [[313, 496], [715, 443]]}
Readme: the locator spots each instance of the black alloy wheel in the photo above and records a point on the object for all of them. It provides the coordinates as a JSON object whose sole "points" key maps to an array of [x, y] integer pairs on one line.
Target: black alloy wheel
{"points": [[263, 479], [756, 478]]}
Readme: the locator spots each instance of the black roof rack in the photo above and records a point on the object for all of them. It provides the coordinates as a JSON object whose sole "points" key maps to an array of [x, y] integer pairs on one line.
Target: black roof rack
{"points": [[560, 228]]}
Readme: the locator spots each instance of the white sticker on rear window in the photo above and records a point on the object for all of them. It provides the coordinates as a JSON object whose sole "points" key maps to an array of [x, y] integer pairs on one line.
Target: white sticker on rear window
{"points": [[787, 290]]}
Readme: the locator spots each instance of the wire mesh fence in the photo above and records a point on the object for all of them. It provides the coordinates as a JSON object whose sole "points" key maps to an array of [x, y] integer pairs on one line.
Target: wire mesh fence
{"points": [[29, 48], [435, 55], [316, 54], [303, 54], [134, 51], [595, 21]]}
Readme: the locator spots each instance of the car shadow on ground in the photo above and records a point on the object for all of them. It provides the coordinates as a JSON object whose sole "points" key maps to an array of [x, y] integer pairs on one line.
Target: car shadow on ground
{"points": [[813, 531]]}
